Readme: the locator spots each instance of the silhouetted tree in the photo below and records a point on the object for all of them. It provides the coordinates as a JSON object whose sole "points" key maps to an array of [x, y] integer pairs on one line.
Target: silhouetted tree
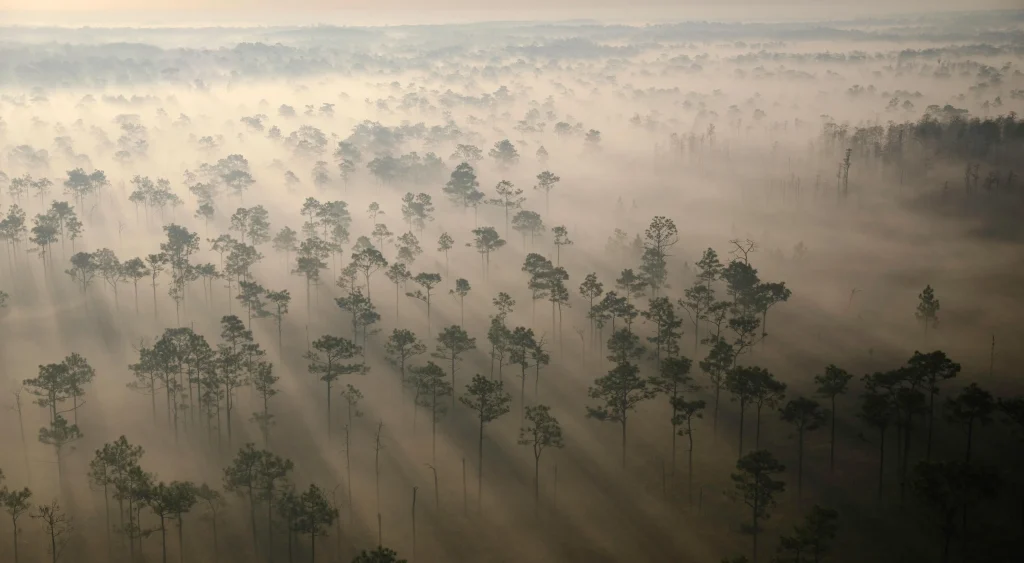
{"points": [[327, 360], [947, 488], [833, 382], [486, 242], [243, 477], [445, 243], [509, 198], [766, 296], [212, 501], [546, 182], [368, 262], [309, 262], [60, 434], [810, 540], [683, 414], [490, 401], [379, 555], [662, 313], [806, 415], [402, 345], [619, 392], [83, 269], [431, 389], [58, 527], [504, 154], [314, 516], [742, 382], [134, 269], [416, 210], [398, 274], [673, 379], [171, 501], [363, 313], [972, 405], [542, 432], [16, 504], [768, 392], [427, 281], [631, 284], [460, 292], [929, 370], [590, 290], [528, 223], [408, 248], [519, 342], [286, 240], [271, 474], [463, 188], [279, 301], [927, 310], [661, 235], [452, 342], [877, 410], [757, 488], [263, 380]]}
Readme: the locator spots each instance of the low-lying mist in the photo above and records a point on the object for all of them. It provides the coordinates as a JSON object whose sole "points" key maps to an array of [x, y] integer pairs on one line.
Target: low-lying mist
{"points": [[512, 291]]}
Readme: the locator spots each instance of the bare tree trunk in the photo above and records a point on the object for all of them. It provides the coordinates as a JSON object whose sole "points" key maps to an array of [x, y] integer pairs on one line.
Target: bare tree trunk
{"points": [[832, 439]]}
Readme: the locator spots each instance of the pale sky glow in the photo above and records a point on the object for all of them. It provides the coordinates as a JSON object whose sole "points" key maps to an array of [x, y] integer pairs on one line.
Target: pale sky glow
{"points": [[580, 6]]}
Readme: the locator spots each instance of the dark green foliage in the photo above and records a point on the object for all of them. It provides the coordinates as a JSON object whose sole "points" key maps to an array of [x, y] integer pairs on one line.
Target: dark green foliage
{"points": [[948, 488], [619, 393], [811, 540], [805, 415], [832, 383], [379, 555], [757, 487], [487, 397], [973, 405], [542, 432]]}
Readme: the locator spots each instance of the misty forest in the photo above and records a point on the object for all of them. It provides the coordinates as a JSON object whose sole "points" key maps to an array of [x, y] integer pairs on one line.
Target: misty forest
{"points": [[506, 292]]}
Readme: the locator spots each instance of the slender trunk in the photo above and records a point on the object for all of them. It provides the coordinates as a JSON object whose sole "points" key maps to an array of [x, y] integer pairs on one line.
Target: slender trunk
{"points": [[689, 469], [252, 518], [743, 409], [754, 529], [800, 465], [623, 441], [906, 457], [433, 428], [931, 423], [106, 512], [216, 540], [414, 524], [270, 525], [881, 460], [970, 433], [163, 540], [14, 526], [480, 467], [757, 428], [181, 540], [714, 420], [536, 483], [832, 439], [946, 536]]}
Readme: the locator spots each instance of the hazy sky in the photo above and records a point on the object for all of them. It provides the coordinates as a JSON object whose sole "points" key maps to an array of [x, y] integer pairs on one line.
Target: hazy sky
{"points": [[76, 13], [477, 5]]}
